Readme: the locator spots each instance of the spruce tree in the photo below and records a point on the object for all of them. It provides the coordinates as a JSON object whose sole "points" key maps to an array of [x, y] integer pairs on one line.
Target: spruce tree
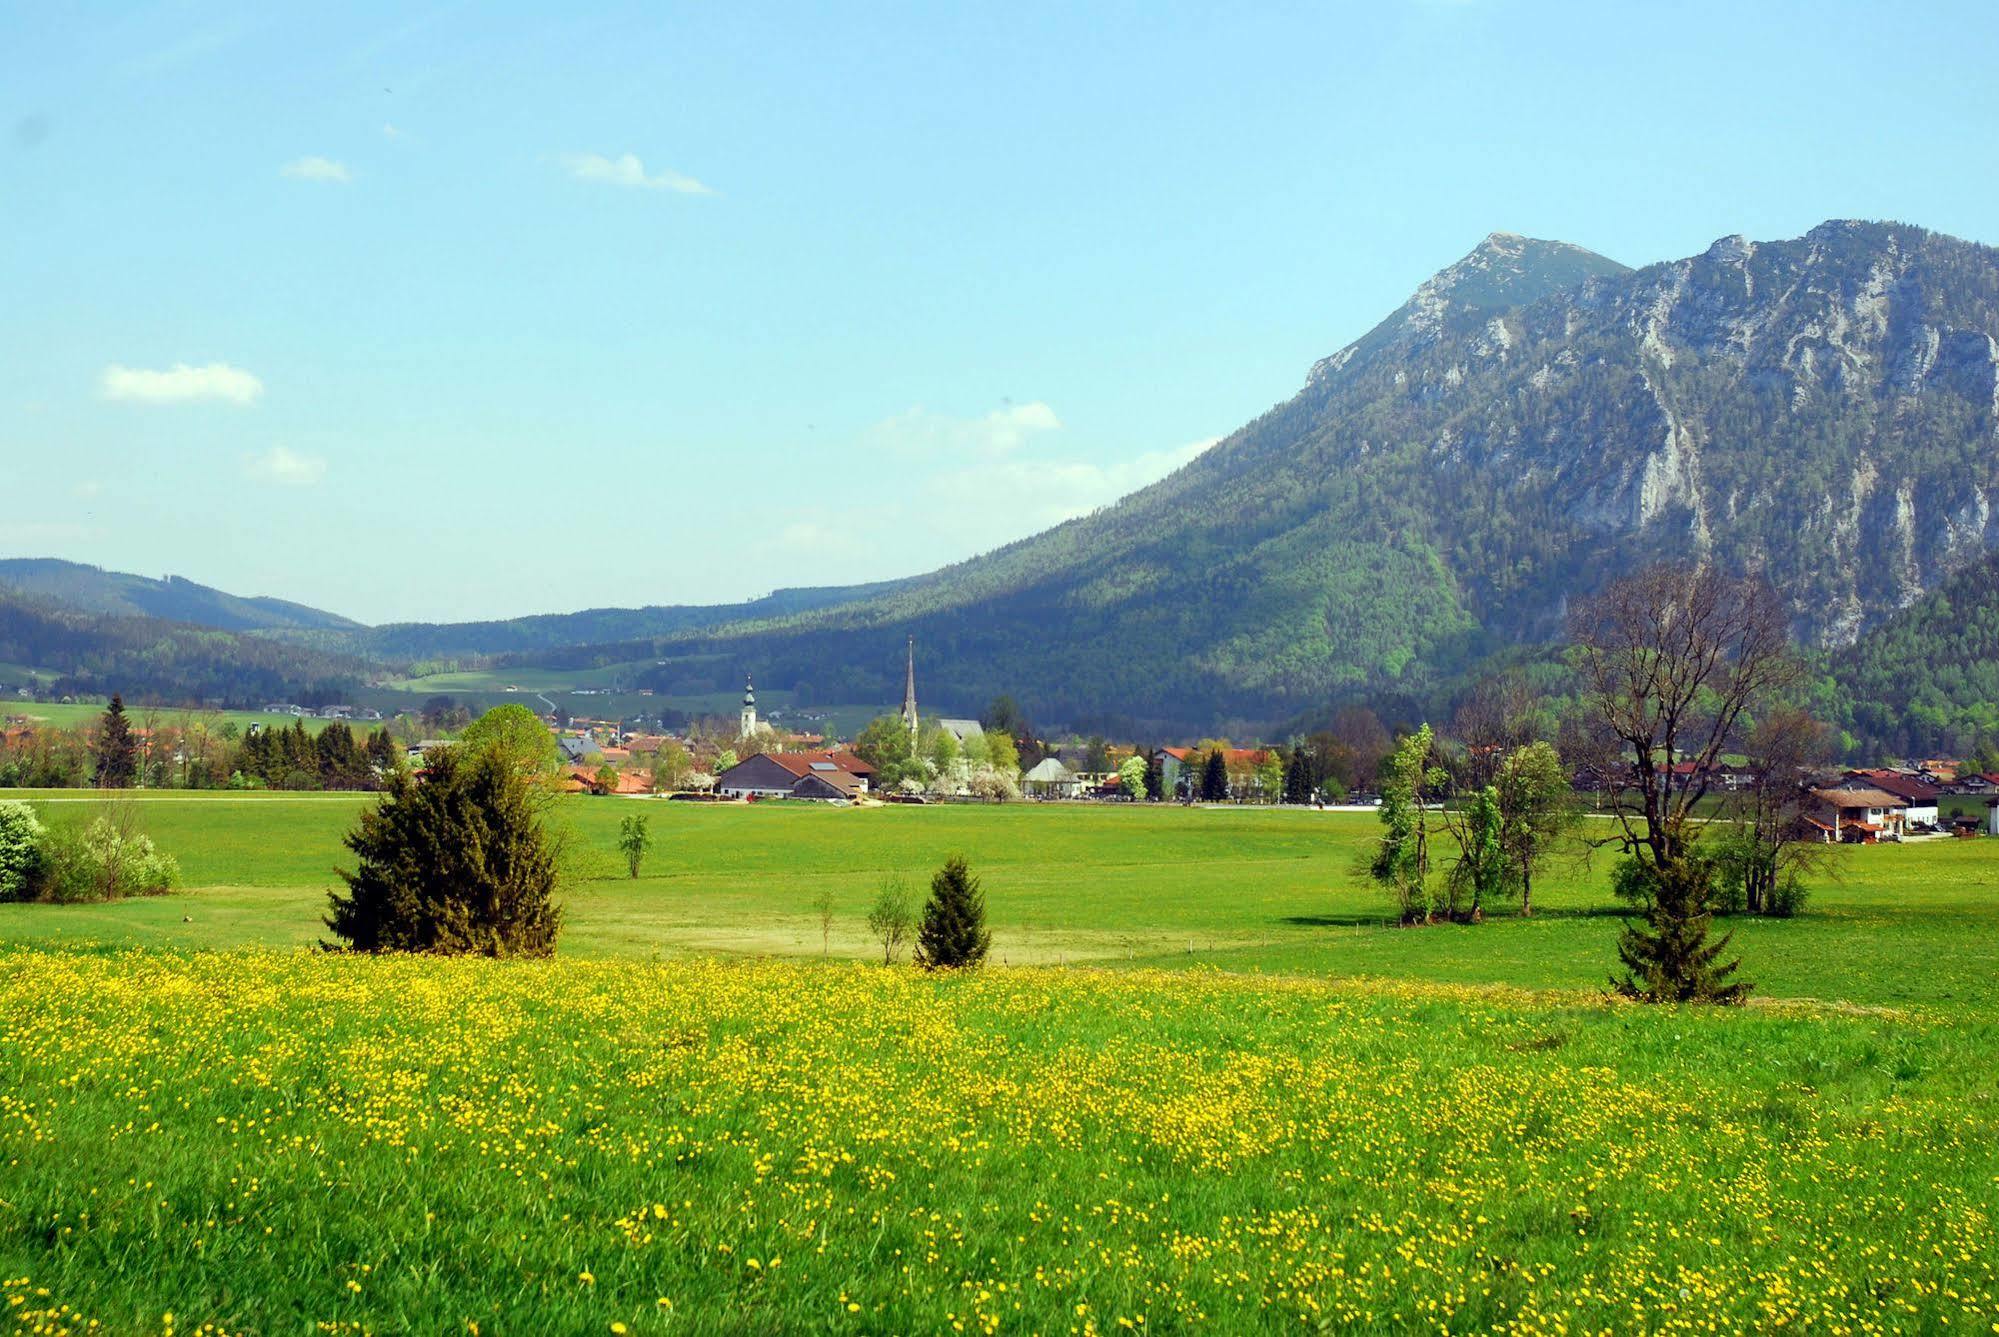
{"points": [[456, 864], [953, 933], [117, 752], [1666, 951], [1215, 777]]}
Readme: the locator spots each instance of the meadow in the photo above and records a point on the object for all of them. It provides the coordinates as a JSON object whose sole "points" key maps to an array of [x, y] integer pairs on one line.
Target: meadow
{"points": [[1202, 1086], [1241, 889]]}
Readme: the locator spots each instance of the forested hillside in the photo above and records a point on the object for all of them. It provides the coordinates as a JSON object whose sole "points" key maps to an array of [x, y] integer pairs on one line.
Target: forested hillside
{"points": [[95, 590], [1927, 680], [415, 642], [148, 659]]}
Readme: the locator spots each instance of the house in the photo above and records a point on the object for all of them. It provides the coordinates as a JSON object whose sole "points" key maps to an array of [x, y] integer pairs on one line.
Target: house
{"points": [[1180, 779], [577, 748], [1920, 795], [961, 729], [827, 781], [628, 783], [776, 774], [1856, 816], [1976, 783], [1051, 779]]}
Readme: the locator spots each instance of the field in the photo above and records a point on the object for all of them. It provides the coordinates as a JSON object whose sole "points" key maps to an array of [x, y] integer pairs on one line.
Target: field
{"points": [[1270, 1113]]}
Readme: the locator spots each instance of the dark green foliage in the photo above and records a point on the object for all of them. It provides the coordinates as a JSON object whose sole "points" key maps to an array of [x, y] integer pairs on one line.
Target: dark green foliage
{"points": [[953, 933], [1155, 775], [116, 752], [457, 863], [1215, 777], [1927, 680], [1667, 951], [151, 660]]}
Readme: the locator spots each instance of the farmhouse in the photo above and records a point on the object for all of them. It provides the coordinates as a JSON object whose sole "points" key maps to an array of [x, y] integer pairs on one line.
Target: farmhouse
{"points": [[781, 775], [1920, 795], [1857, 816]]}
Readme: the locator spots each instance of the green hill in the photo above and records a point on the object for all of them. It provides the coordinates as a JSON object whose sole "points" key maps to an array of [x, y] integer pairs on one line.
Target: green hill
{"points": [[95, 590]]}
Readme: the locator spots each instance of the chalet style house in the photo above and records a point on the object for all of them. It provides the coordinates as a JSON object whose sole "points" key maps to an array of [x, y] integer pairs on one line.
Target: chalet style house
{"points": [[818, 775], [1859, 816]]}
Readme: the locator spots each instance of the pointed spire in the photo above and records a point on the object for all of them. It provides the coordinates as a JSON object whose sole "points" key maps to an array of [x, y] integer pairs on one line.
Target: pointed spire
{"points": [[909, 691]]}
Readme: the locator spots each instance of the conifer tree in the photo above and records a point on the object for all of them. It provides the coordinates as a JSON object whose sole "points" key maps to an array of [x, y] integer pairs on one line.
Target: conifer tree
{"points": [[117, 752], [456, 864], [953, 933], [1215, 777], [1666, 952]]}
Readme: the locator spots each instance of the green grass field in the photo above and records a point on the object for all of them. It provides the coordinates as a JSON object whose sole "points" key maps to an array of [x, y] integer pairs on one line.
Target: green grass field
{"points": [[1241, 889], [1271, 1112]]}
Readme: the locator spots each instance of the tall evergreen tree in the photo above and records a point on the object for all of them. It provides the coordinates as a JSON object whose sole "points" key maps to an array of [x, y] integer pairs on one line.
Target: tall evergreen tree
{"points": [[1215, 777], [1665, 950], [117, 752], [457, 864], [953, 933]]}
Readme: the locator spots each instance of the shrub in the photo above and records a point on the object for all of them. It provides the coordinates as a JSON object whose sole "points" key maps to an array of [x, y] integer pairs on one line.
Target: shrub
{"points": [[105, 861], [457, 863], [889, 920], [21, 857], [633, 841], [953, 934]]}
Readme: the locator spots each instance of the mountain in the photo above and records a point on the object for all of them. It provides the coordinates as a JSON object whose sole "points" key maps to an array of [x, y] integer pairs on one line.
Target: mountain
{"points": [[150, 659], [1926, 681], [404, 642], [93, 589], [1535, 420]]}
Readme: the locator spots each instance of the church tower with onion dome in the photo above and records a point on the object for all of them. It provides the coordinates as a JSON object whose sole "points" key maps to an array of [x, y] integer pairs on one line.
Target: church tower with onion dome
{"points": [[749, 708]]}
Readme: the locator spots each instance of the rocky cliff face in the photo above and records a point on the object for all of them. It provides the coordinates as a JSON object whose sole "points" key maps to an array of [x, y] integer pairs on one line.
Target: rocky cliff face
{"points": [[1535, 420]]}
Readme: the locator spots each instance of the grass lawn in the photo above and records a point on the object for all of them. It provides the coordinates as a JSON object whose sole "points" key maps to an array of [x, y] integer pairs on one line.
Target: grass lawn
{"points": [[1241, 889]]}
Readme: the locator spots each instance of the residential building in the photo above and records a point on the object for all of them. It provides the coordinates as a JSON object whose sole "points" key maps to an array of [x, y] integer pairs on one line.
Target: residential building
{"points": [[1856, 816], [1051, 779], [1919, 794]]}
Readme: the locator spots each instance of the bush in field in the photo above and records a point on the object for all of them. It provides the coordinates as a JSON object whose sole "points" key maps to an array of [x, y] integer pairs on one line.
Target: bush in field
{"points": [[20, 852], [953, 933], [634, 839], [105, 861], [457, 863], [890, 918]]}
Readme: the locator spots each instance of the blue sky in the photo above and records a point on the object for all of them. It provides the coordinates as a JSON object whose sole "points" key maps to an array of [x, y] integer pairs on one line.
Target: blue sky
{"points": [[462, 311]]}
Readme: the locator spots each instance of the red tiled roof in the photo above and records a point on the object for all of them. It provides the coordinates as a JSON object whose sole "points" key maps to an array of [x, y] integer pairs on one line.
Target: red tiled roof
{"points": [[1900, 785], [800, 763]]}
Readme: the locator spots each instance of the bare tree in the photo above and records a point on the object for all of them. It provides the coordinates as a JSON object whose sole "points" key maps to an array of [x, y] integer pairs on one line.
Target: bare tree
{"points": [[1766, 857], [1671, 659]]}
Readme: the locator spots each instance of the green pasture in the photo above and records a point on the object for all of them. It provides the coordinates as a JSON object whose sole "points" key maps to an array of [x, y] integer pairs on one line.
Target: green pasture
{"points": [[1241, 889]]}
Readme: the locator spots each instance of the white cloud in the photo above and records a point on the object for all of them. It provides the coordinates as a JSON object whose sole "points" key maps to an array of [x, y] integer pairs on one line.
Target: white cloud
{"points": [[920, 432], [285, 467], [88, 488], [179, 384], [1033, 493], [627, 170], [389, 131], [316, 168]]}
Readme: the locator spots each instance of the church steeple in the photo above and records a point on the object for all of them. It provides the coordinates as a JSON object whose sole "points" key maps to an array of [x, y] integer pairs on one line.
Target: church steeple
{"points": [[909, 692], [749, 708]]}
